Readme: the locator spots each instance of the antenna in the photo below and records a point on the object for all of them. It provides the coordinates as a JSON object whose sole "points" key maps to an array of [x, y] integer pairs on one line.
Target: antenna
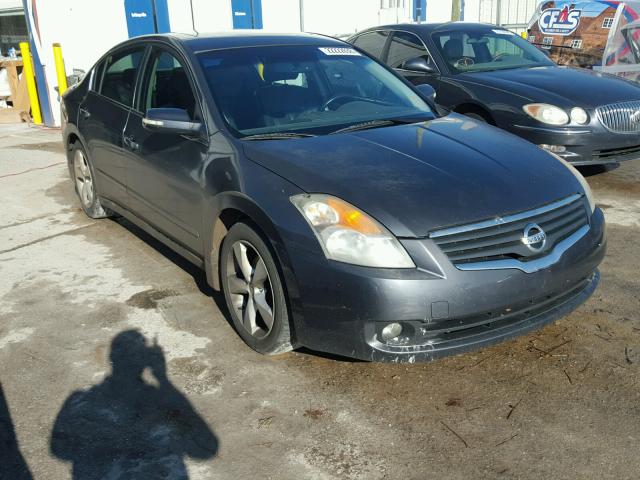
{"points": [[193, 19]]}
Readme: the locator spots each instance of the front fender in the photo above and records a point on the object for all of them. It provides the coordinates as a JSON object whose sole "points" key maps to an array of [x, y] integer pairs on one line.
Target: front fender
{"points": [[264, 201]]}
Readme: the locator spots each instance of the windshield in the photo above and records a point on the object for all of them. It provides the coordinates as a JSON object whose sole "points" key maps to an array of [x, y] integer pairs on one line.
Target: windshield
{"points": [[305, 89], [486, 50]]}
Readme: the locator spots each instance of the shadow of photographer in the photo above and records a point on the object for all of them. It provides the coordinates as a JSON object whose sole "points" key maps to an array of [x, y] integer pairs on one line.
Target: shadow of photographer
{"points": [[12, 464], [126, 427]]}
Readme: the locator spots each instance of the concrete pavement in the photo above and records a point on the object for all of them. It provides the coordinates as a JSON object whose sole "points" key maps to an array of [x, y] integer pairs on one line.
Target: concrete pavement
{"points": [[79, 296]]}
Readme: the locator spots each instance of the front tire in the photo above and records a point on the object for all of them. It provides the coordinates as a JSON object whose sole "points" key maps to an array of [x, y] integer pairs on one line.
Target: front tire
{"points": [[253, 291], [84, 182]]}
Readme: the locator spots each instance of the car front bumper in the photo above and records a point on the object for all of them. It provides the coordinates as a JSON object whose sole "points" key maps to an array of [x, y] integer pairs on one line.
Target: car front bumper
{"points": [[591, 145], [341, 309]]}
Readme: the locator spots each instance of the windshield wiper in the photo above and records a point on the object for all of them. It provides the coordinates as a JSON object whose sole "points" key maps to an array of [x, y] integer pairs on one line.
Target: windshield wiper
{"points": [[277, 136], [378, 123]]}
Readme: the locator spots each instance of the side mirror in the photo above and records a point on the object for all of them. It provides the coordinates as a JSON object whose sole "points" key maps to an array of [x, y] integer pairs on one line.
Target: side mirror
{"points": [[419, 65], [170, 120], [427, 91]]}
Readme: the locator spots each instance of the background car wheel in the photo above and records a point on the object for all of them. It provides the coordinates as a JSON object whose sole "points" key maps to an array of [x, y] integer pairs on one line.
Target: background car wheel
{"points": [[83, 180], [253, 291]]}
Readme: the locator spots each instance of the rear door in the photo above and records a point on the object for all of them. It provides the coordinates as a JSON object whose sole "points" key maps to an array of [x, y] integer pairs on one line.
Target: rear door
{"points": [[164, 169], [102, 118], [405, 46]]}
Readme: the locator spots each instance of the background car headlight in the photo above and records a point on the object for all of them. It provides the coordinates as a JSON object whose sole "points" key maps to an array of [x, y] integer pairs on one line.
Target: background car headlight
{"points": [[579, 115], [545, 113], [585, 186], [349, 235]]}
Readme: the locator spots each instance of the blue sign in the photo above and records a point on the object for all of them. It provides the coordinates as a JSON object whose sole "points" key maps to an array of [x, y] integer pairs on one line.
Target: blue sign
{"points": [[247, 14], [556, 21], [146, 16]]}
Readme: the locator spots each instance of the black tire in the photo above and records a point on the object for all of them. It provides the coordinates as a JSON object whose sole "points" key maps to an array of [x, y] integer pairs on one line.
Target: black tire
{"points": [[267, 340], [90, 203]]}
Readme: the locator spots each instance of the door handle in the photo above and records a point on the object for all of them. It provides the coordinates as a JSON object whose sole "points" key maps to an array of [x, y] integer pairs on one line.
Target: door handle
{"points": [[85, 113], [130, 142]]}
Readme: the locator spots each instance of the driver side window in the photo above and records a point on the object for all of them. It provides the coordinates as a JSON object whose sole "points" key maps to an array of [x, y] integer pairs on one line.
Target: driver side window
{"points": [[168, 85], [405, 46]]}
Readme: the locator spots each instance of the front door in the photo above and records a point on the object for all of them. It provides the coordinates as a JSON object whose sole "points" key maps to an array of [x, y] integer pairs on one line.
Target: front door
{"points": [[247, 14], [164, 170], [103, 116]]}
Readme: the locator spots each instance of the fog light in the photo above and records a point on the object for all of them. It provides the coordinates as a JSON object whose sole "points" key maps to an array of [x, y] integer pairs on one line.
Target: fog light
{"points": [[391, 331], [553, 148]]}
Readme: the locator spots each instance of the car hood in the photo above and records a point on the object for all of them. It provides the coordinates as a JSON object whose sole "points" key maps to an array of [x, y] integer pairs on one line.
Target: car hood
{"points": [[564, 86], [420, 177]]}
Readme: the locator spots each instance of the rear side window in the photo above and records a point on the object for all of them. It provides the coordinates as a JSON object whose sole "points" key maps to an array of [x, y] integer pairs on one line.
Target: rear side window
{"points": [[372, 42], [97, 76], [119, 78], [405, 46]]}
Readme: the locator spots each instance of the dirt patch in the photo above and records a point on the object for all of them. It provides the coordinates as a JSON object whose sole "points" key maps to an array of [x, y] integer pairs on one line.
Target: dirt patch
{"points": [[149, 299], [53, 147], [314, 413]]}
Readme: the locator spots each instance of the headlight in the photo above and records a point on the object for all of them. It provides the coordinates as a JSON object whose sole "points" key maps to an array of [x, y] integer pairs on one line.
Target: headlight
{"points": [[579, 115], [349, 235], [585, 186], [545, 113]]}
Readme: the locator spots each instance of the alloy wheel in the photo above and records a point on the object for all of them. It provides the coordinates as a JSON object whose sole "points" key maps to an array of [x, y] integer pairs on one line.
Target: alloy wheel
{"points": [[250, 289], [84, 180]]}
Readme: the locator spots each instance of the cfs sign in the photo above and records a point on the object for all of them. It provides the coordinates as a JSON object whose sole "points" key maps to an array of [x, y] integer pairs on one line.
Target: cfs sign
{"points": [[556, 21]]}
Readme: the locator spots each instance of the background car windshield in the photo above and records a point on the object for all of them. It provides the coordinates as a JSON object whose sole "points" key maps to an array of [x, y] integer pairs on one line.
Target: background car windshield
{"points": [[485, 50], [305, 89]]}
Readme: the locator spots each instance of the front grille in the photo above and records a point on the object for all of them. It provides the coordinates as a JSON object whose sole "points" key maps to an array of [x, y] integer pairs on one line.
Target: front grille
{"points": [[502, 237], [455, 329], [620, 117], [612, 153]]}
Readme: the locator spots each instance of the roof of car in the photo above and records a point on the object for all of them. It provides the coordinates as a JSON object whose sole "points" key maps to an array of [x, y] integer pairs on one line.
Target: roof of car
{"points": [[213, 41], [426, 28]]}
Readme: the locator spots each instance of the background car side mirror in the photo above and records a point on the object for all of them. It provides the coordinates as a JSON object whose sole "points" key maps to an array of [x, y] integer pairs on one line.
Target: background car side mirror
{"points": [[171, 120], [419, 65], [427, 91]]}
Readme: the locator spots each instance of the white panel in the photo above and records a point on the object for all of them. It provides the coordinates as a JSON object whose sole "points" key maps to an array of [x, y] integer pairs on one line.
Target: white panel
{"points": [[439, 11], [10, 4], [281, 15], [85, 29], [208, 16]]}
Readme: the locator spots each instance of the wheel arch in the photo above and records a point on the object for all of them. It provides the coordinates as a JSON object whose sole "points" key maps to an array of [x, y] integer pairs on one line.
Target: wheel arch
{"points": [[470, 107], [233, 208], [72, 136]]}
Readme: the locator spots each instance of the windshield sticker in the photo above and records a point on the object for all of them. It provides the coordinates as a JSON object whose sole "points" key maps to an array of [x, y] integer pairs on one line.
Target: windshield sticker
{"points": [[556, 21], [503, 32], [338, 51]]}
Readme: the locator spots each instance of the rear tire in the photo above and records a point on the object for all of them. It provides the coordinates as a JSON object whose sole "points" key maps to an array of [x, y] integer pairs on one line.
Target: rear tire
{"points": [[83, 176], [254, 292]]}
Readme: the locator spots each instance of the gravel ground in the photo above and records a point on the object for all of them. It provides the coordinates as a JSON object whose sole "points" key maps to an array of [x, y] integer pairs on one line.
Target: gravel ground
{"points": [[86, 304]]}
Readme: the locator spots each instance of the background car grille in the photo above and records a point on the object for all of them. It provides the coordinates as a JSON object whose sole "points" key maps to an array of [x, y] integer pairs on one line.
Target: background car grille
{"points": [[501, 238], [619, 117], [614, 153]]}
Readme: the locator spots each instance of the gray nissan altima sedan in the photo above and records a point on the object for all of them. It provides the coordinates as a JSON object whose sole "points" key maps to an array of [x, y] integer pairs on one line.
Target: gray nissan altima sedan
{"points": [[331, 202]]}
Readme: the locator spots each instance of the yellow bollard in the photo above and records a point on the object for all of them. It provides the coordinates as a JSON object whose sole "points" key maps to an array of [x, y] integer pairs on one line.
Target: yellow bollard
{"points": [[27, 67], [60, 71]]}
